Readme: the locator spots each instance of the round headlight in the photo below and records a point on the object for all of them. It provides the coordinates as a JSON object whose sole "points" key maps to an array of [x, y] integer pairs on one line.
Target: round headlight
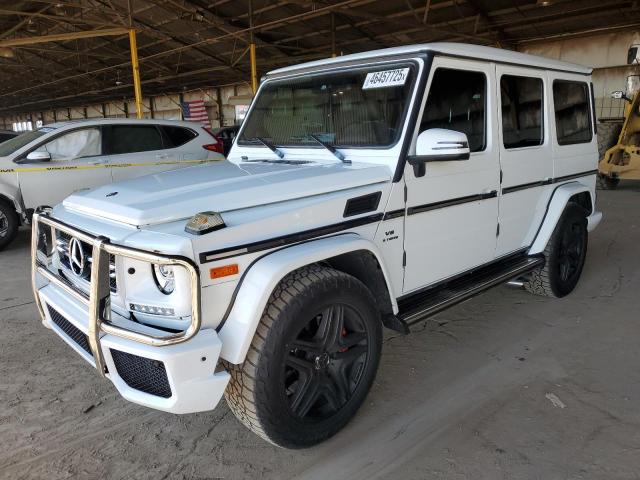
{"points": [[163, 275]]}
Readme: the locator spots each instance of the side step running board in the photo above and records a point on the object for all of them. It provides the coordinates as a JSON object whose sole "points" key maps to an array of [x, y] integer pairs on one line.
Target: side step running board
{"points": [[421, 305]]}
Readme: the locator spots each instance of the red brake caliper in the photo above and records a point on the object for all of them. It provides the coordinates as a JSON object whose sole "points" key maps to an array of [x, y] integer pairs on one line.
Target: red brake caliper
{"points": [[344, 334]]}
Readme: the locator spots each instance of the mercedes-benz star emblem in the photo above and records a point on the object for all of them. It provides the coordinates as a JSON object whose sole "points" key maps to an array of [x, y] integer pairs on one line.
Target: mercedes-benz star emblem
{"points": [[76, 257]]}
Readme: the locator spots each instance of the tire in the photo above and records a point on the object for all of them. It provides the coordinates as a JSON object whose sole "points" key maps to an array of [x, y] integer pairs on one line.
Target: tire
{"points": [[607, 183], [608, 133], [300, 352], [564, 256], [9, 223]]}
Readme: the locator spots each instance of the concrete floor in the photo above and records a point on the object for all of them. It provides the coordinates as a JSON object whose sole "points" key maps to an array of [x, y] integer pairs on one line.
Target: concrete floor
{"points": [[507, 385]]}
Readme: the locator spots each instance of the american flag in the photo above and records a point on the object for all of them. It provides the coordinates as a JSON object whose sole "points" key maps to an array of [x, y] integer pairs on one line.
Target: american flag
{"points": [[195, 111]]}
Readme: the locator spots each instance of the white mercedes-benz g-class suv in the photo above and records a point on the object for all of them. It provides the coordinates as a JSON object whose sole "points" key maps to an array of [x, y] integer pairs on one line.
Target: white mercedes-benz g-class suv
{"points": [[362, 191]]}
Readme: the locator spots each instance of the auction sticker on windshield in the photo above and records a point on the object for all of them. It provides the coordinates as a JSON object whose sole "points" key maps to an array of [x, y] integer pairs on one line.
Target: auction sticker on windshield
{"points": [[386, 78]]}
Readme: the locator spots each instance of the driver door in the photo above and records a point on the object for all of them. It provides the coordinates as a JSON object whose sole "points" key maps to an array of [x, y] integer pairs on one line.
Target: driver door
{"points": [[452, 209], [76, 163]]}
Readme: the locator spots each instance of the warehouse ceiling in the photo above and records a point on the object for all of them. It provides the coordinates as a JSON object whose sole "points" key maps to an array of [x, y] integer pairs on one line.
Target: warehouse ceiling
{"points": [[185, 44]]}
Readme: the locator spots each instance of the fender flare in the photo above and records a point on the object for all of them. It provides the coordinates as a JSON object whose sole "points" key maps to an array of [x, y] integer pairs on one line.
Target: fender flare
{"points": [[262, 277], [559, 199], [12, 197]]}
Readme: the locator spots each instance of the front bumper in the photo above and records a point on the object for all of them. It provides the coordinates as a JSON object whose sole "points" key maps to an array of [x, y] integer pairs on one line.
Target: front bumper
{"points": [[173, 372], [593, 221]]}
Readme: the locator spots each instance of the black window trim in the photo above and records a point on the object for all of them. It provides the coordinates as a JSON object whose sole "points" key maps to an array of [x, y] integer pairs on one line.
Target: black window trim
{"points": [[593, 109], [542, 112], [589, 120], [425, 99]]}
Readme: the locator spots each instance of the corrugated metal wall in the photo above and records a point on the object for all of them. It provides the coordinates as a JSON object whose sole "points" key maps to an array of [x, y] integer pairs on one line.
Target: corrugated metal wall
{"points": [[165, 107], [606, 53]]}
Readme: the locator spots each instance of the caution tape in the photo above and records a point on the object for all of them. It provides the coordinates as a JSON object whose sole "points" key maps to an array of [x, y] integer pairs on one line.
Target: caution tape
{"points": [[105, 165]]}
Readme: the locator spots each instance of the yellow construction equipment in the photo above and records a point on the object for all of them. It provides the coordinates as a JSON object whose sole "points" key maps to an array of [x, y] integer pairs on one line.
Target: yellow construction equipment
{"points": [[622, 160]]}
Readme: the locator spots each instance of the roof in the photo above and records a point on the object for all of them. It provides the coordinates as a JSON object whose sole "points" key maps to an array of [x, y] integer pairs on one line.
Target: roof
{"points": [[447, 48], [119, 121]]}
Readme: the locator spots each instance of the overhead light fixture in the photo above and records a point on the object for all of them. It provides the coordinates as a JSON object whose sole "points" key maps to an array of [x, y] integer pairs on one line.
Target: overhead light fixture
{"points": [[6, 52], [544, 3]]}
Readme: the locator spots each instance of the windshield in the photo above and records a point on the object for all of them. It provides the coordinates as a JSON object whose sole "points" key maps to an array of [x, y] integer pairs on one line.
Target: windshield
{"points": [[16, 143], [355, 108]]}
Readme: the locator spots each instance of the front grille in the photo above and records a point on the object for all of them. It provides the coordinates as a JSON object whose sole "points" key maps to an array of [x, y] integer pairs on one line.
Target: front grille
{"points": [[144, 374], [69, 329], [62, 246]]}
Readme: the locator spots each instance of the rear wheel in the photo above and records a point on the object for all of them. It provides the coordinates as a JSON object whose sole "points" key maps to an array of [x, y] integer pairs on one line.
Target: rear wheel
{"points": [[312, 361], [8, 224], [564, 256]]}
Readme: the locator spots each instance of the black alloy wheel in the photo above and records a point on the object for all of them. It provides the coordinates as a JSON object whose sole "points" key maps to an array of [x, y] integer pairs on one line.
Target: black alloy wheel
{"points": [[571, 250], [312, 360], [325, 362]]}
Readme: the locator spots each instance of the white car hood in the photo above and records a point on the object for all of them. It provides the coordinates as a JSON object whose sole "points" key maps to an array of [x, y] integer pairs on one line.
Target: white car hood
{"points": [[220, 187]]}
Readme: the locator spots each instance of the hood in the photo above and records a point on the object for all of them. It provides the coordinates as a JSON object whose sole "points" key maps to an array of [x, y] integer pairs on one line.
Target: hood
{"points": [[220, 187]]}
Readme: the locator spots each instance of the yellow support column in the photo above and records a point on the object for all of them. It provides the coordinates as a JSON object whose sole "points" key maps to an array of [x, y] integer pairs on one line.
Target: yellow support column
{"points": [[133, 45], [252, 52], [254, 68]]}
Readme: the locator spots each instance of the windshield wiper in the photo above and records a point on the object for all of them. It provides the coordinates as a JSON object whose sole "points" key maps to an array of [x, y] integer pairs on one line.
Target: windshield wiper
{"points": [[336, 153], [270, 146]]}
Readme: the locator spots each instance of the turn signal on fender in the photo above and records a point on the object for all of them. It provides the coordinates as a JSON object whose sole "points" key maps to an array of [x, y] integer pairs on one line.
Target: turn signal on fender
{"points": [[204, 222], [224, 271]]}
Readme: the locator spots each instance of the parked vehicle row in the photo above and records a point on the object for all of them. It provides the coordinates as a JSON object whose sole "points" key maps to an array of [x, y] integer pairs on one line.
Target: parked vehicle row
{"points": [[7, 135], [365, 191], [42, 167]]}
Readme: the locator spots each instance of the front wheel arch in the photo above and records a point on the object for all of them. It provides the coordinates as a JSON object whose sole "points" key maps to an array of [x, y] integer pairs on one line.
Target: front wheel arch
{"points": [[239, 325]]}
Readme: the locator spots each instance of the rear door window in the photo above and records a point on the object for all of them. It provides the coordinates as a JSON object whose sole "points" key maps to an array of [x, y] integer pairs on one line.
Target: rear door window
{"points": [[134, 138], [573, 114], [521, 103]]}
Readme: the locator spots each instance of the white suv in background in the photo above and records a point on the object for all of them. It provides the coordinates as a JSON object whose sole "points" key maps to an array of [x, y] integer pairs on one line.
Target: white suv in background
{"points": [[42, 167]]}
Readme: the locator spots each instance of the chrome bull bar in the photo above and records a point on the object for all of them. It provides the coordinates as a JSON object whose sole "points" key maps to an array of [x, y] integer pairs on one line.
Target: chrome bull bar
{"points": [[98, 301]]}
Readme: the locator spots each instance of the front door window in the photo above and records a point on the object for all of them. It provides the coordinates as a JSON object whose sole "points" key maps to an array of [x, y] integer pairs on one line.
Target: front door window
{"points": [[86, 142]]}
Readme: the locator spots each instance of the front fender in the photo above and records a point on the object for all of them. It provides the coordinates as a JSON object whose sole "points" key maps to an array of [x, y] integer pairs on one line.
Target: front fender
{"points": [[558, 202], [11, 194], [260, 280]]}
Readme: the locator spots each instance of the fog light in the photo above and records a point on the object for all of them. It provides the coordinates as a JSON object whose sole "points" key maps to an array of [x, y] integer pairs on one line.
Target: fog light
{"points": [[151, 309]]}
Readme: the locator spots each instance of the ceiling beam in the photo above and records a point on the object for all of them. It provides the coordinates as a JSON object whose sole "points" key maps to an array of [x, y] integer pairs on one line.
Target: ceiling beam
{"points": [[20, 24], [58, 37]]}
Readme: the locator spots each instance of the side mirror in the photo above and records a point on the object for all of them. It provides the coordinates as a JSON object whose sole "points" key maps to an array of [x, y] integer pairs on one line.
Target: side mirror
{"points": [[39, 156], [618, 95], [439, 145]]}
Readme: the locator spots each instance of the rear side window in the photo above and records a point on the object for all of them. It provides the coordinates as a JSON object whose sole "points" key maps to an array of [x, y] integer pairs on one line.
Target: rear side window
{"points": [[521, 104], [177, 136], [134, 138], [456, 101], [573, 119]]}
